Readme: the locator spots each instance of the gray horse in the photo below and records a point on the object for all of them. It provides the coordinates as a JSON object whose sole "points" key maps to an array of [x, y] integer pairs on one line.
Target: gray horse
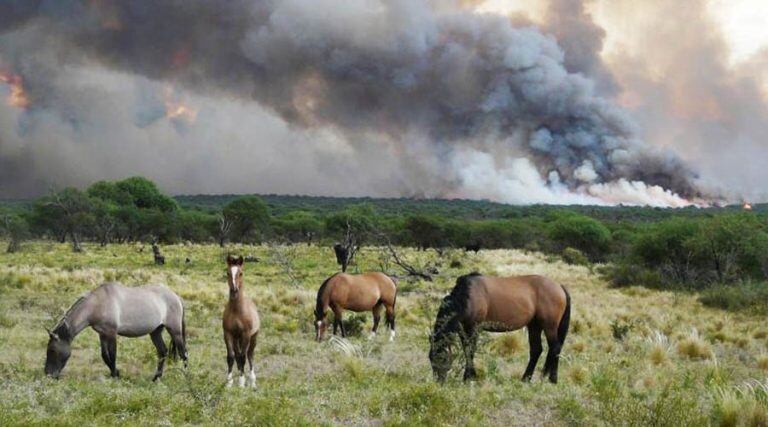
{"points": [[113, 309]]}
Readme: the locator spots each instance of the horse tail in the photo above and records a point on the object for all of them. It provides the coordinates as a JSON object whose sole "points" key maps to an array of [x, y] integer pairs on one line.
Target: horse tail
{"points": [[320, 306], [175, 350], [565, 321]]}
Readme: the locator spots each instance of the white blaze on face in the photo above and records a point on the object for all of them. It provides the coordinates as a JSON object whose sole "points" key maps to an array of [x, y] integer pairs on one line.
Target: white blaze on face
{"points": [[233, 272]]}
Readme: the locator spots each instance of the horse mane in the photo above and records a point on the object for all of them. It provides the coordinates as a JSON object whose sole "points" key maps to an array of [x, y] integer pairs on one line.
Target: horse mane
{"points": [[62, 326], [320, 292], [455, 303]]}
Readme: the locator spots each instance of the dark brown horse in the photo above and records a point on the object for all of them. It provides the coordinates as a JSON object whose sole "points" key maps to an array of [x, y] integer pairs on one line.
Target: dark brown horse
{"points": [[501, 304], [356, 292], [241, 324]]}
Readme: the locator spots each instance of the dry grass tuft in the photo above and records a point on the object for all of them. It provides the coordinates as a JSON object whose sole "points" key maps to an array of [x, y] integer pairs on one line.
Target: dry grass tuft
{"points": [[659, 351], [762, 362], [507, 344], [694, 347]]}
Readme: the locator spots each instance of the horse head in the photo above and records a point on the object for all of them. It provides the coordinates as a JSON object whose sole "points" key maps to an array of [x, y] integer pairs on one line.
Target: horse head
{"points": [[58, 351], [234, 275]]}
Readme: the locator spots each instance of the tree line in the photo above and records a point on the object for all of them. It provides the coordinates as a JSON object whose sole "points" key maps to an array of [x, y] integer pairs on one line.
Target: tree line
{"points": [[689, 247]]}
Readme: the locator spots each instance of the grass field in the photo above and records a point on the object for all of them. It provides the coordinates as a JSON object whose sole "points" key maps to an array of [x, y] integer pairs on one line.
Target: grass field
{"points": [[633, 357]]}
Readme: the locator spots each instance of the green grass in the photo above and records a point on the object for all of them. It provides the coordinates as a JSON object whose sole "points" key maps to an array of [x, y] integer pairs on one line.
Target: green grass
{"points": [[300, 382]]}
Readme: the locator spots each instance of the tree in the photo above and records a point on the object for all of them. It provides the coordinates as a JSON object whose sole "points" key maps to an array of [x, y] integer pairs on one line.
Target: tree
{"points": [[104, 220], [731, 247], [17, 229], [426, 231], [352, 226], [666, 246], [248, 215], [70, 211], [298, 226], [144, 194]]}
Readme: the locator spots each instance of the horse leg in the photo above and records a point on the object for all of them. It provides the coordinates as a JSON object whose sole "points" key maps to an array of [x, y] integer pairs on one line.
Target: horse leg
{"points": [[242, 348], [468, 336], [230, 357], [251, 347], [105, 352], [391, 320], [553, 354], [337, 320], [109, 353], [376, 319], [162, 351], [534, 342]]}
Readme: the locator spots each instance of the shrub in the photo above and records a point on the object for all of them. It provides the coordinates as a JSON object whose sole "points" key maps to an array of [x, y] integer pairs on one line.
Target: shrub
{"points": [[581, 232], [626, 273], [620, 329], [752, 296], [574, 257]]}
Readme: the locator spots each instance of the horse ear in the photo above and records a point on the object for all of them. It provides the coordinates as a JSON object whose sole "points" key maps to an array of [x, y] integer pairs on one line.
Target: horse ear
{"points": [[230, 260], [240, 260]]}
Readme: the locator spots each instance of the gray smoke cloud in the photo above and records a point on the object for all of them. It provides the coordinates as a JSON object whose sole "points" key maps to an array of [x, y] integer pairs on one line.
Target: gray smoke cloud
{"points": [[687, 94], [308, 96]]}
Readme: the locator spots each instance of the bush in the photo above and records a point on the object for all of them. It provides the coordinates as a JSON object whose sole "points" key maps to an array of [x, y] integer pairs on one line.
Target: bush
{"points": [[625, 273], [581, 232], [620, 329], [574, 257], [744, 296]]}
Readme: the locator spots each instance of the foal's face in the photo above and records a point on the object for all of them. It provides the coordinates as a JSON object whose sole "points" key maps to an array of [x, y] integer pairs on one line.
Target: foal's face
{"points": [[56, 356], [234, 275]]}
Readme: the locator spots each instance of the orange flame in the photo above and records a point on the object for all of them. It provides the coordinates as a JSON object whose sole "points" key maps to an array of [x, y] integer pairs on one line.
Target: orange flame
{"points": [[175, 109], [18, 97]]}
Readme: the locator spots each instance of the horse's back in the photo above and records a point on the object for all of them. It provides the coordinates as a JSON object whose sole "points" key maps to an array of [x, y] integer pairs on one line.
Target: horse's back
{"points": [[513, 302], [360, 292], [139, 310]]}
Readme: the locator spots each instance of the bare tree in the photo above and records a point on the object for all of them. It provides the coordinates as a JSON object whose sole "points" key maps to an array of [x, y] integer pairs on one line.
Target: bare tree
{"points": [[284, 256], [426, 272], [346, 250], [225, 225]]}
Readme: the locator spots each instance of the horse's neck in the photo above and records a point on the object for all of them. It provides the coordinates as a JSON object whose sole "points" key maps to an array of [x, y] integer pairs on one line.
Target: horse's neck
{"points": [[76, 318], [239, 301]]}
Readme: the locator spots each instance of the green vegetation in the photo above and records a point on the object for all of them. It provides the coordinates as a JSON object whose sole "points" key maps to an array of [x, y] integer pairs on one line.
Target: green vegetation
{"points": [[689, 248], [680, 362]]}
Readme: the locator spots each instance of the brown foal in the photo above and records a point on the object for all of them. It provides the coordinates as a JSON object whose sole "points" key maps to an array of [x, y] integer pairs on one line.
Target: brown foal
{"points": [[241, 324]]}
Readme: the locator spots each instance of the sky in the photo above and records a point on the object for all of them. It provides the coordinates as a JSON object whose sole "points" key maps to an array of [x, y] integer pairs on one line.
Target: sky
{"points": [[517, 101]]}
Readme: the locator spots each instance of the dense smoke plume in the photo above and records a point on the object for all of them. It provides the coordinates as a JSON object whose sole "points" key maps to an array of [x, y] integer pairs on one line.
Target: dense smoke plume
{"points": [[392, 98]]}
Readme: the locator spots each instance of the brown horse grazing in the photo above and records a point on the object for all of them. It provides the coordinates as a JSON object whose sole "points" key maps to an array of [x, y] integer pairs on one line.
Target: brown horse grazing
{"points": [[241, 324], [501, 304], [356, 292]]}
